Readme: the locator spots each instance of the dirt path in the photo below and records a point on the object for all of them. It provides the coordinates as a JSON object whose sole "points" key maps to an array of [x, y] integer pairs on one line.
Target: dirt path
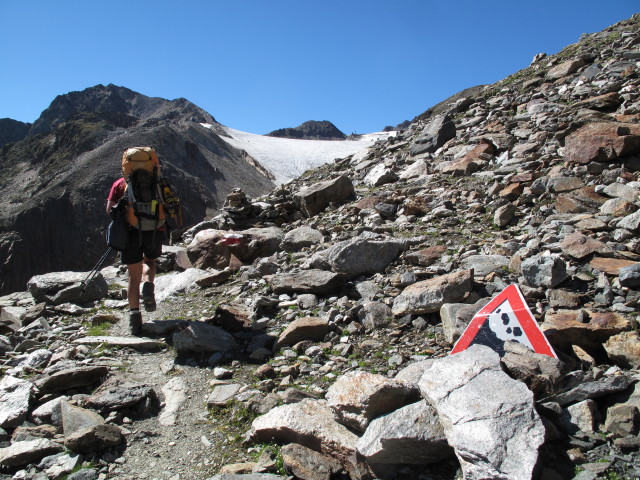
{"points": [[194, 447]]}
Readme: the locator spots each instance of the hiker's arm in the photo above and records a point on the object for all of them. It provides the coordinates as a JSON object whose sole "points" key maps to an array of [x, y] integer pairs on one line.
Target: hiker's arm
{"points": [[110, 205]]}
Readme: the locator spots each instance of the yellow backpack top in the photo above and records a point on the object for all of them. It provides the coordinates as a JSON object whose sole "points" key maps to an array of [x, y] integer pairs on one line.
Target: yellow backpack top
{"points": [[135, 158]]}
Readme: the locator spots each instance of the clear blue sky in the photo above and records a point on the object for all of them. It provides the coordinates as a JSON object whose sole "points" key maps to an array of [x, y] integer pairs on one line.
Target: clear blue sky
{"points": [[260, 65]]}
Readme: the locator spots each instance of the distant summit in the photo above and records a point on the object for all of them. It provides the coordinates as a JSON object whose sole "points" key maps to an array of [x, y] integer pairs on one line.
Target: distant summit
{"points": [[311, 130], [114, 101]]}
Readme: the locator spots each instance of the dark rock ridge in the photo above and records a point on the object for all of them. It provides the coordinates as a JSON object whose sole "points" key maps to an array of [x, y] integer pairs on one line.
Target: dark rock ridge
{"points": [[12, 130], [311, 130], [55, 181]]}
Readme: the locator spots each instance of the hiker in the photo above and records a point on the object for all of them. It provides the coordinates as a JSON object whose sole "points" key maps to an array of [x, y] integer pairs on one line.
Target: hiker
{"points": [[146, 229]]}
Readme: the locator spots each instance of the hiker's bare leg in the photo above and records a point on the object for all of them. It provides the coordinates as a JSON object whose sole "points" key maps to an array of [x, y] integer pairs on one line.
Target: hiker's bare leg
{"points": [[133, 288], [148, 270]]}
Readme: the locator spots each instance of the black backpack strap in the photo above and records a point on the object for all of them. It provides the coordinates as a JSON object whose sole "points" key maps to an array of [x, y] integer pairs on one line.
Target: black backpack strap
{"points": [[154, 198], [136, 212]]}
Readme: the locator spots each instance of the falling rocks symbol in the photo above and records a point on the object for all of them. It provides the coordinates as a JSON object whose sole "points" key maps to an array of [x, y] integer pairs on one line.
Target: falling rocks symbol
{"points": [[506, 317]]}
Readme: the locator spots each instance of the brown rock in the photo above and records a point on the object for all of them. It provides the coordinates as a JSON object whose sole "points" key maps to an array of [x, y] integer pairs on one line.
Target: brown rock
{"points": [[588, 197], [305, 463], [567, 204], [94, 439], [428, 296], [618, 207], [217, 276], [602, 102], [22, 434], [602, 142], [622, 419], [307, 328], [426, 256], [512, 191], [610, 266], [583, 327], [524, 178], [624, 349], [418, 206], [564, 69], [579, 246], [472, 161], [238, 468], [368, 203], [309, 423], [565, 184], [358, 397], [563, 299], [233, 316], [592, 224]]}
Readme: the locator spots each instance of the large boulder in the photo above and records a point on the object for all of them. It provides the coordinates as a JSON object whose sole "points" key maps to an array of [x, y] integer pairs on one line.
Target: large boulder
{"points": [[428, 296], [545, 271], [210, 248], [409, 435], [71, 378], [20, 454], [307, 328], [314, 199], [585, 328], [358, 397], [359, 256], [309, 423], [15, 396], [434, 135], [307, 281], [301, 237], [203, 338], [602, 142], [67, 287], [489, 418]]}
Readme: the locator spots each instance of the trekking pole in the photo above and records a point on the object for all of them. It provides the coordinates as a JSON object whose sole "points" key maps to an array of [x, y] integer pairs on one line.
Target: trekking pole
{"points": [[94, 270]]}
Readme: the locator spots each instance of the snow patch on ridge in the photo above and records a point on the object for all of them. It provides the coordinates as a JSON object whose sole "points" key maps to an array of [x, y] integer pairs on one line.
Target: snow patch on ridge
{"points": [[288, 158]]}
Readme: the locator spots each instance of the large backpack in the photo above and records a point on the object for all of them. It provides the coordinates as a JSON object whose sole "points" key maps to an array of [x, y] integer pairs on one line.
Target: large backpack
{"points": [[141, 171]]}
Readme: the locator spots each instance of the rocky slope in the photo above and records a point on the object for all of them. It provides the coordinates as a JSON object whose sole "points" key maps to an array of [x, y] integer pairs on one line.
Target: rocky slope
{"points": [[325, 331], [311, 130], [54, 182]]}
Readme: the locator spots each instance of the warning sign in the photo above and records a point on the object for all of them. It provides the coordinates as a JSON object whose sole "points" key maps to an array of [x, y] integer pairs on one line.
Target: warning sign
{"points": [[506, 317]]}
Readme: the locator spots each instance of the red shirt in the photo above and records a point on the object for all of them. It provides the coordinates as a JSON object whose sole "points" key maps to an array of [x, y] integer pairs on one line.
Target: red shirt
{"points": [[117, 190]]}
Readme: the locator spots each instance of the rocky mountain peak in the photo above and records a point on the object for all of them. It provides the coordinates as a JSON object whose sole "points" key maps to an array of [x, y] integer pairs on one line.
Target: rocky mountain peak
{"points": [[112, 99], [56, 178], [311, 130]]}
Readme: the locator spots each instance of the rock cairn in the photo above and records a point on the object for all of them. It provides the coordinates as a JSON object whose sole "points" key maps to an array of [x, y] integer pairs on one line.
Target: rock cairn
{"points": [[346, 296]]}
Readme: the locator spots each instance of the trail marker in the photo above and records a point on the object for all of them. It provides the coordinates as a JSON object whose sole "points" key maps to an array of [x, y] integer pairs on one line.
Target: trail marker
{"points": [[506, 317]]}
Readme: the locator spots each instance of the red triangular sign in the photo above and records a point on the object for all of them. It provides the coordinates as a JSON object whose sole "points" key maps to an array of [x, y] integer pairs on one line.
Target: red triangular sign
{"points": [[506, 317]]}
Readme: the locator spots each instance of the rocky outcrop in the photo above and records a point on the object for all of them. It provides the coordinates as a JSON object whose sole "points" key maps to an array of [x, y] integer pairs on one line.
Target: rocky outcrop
{"points": [[12, 130], [311, 130]]}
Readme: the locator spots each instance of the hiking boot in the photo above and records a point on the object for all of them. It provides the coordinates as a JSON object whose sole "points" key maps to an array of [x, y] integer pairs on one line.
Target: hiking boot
{"points": [[148, 298], [135, 323]]}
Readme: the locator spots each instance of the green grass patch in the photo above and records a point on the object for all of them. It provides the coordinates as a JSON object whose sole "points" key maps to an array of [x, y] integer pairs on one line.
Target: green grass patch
{"points": [[99, 329]]}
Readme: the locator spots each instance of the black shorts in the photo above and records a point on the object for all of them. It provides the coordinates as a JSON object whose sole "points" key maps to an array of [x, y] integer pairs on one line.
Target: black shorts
{"points": [[150, 247]]}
